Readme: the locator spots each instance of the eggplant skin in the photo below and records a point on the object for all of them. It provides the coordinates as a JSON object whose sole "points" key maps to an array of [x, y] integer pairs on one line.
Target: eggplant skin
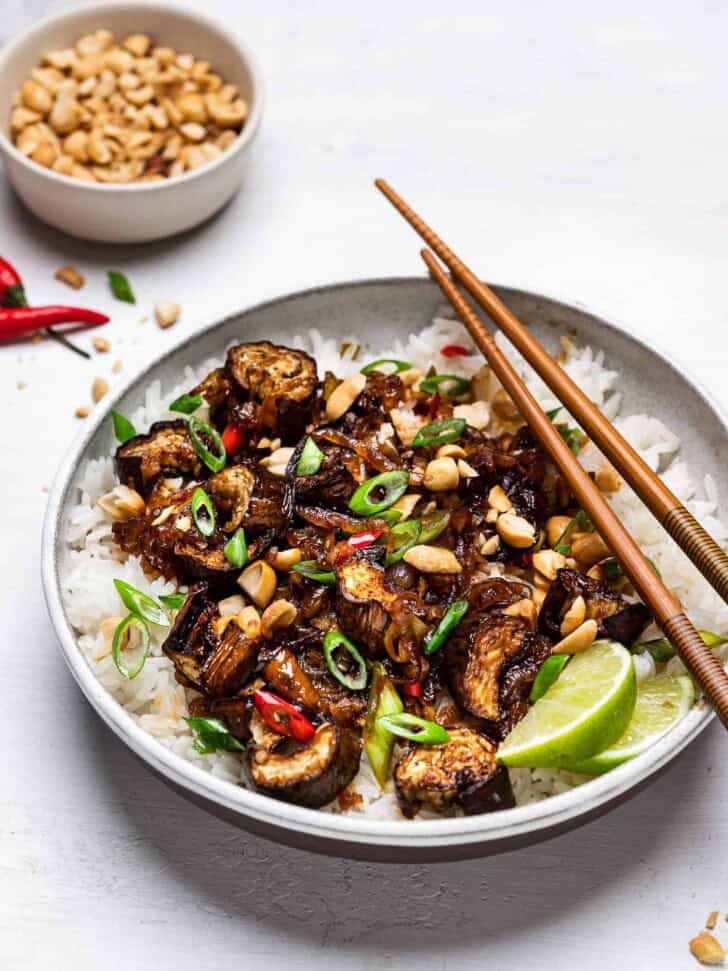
{"points": [[461, 773], [311, 775], [166, 450], [476, 658], [230, 663], [617, 619]]}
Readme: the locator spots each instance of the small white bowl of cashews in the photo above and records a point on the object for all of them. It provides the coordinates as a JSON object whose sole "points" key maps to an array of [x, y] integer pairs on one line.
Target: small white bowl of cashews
{"points": [[127, 122]]}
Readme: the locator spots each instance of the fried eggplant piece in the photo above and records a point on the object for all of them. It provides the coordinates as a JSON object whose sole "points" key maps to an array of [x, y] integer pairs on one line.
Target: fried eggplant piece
{"points": [[336, 701], [365, 603], [617, 619], [281, 380], [235, 712], [165, 451], [462, 772], [209, 652], [218, 391], [231, 491], [477, 654], [288, 679], [307, 775]]}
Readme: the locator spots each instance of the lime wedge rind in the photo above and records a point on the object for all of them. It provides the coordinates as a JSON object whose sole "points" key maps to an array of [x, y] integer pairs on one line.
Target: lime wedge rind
{"points": [[661, 703], [581, 714]]}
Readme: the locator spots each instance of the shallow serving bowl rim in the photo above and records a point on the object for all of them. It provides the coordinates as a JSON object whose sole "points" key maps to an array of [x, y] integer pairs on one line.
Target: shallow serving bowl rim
{"points": [[547, 815], [175, 10]]}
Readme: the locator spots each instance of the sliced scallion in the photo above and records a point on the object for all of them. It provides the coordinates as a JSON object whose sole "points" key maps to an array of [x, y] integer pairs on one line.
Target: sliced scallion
{"points": [[405, 535], [201, 503], [138, 655], [433, 524], [398, 366], [562, 545], [311, 459], [172, 601], [455, 613], [211, 735], [236, 549], [414, 728], [123, 428], [311, 570], [445, 384], [215, 461], [547, 675], [186, 403], [392, 484], [662, 650], [439, 432], [334, 641], [120, 287], [141, 604]]}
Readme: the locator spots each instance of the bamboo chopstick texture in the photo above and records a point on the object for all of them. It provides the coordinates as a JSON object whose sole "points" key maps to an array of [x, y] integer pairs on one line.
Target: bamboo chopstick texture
{"points": [[698, 545], [664, 605]]}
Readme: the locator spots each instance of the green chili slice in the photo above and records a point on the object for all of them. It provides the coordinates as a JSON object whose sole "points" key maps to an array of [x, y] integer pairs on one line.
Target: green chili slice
{"points": [[214, 462], [130, 671], [456, 385], [439, 432], [211, 735], [561, 545], [414, 728], [202, 502], [405, 535], [453, 616], [123, 428], [140, 604], [378, 742], [662, 650], [390, 515], [186, 403], [547, 675], [172, 601], [356, 681], [236, 549], [433, 524], [393, 484], [311, 458], [120, 287], [311, 570], [377, 365]]}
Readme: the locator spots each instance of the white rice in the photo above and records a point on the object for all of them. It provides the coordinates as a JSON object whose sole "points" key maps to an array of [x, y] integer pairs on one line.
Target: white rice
{"points": [[158, 703]]}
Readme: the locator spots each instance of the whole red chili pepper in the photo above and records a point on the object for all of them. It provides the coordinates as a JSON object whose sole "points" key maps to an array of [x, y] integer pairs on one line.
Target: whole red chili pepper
{"points": [[232, 438], [282, 717], [454, 350], [15, 321], [12, 295]]}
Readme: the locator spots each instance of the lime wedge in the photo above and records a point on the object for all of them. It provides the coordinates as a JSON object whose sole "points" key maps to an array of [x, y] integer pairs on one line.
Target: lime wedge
{"points": [[582, 713], [661, 703]]}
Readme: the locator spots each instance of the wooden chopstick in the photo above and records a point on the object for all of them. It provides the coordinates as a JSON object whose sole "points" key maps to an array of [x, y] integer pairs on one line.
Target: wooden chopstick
{"points": [[687, 532], [665, 607]]}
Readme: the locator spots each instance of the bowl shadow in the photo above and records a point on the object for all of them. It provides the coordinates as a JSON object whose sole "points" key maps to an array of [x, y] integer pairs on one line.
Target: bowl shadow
{"points": [[325, 901]]}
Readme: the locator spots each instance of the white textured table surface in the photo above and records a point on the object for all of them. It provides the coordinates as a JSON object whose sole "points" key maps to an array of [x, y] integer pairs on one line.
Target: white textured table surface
{"points": [[568, 147]]}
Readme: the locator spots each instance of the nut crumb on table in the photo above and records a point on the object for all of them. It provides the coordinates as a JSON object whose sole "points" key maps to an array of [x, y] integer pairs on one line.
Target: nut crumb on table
{"points": [[71, 276], [712, 920], [101, 345], [707, 949], [83, 411], [99, 389]]}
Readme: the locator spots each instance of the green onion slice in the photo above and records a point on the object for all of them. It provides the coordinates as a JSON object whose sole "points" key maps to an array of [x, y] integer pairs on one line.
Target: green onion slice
{"points": [[137, 655], [214, 462], [573, 437], [561, 545], [312, 571], [613, 570], [405, 535], [414, 728], [311, 458], [553, 413], [140, 604], [356, 681], [455, 613], [393, 484], [377, 365], [236, 549], [547, 675], [123, 428], [120, 287], [390, 515], [433, 524], [455, 386], [212, 734], [186, 403], [662, 650], [202, 502], [172, 601], [439, 432]]}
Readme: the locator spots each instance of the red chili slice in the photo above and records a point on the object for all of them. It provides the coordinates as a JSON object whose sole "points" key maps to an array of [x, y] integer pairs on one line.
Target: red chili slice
{"points": [[454, 350], [233, 438], [414, 689], [433, 405], [358, 541], [282, 717]]}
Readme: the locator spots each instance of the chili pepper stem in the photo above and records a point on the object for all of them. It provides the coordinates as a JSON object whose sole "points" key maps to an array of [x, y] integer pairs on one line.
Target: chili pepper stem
{"points": [[62, 339]]}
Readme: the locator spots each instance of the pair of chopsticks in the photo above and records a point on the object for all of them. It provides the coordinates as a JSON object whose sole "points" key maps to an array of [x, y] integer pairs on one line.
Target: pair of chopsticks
{"points": [[679, 523]]}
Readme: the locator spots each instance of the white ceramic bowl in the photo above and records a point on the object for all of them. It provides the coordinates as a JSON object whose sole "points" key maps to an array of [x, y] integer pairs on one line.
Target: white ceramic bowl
{"points": [[134, 213], [384, 309]]}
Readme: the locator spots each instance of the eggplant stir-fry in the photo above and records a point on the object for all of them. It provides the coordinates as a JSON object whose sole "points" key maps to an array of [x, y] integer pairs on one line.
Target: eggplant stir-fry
{"points": [[366, 569]]}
